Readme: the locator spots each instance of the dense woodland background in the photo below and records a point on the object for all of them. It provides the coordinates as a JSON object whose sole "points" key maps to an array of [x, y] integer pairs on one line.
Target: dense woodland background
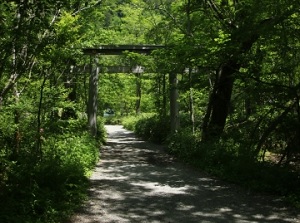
{"points": [[237, 78]]}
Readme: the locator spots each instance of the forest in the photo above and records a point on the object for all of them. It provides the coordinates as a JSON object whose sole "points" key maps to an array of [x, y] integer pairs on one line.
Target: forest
{"points": [[222, 93]]}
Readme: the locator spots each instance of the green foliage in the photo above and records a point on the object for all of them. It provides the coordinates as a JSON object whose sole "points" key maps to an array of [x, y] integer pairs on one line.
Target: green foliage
{"points": [[101, 131], [45, 192], [149, 126], [183, 143], [50, 188], [46, 152], [129, 122]]}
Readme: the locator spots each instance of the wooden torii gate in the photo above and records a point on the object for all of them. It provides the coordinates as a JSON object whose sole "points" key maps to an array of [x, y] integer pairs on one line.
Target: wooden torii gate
{"points": [[94, 74]]}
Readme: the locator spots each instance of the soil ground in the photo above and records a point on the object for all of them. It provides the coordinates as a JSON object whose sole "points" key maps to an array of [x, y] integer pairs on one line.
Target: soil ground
{"points": [[136, 181]]}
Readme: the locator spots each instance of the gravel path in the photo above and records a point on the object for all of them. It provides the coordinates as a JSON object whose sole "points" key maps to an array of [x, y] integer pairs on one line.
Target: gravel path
{"points": [[137, 182]]}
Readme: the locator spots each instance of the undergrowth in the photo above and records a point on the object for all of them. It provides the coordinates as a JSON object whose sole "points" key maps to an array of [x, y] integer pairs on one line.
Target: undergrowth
{"points": [[49, 188], [148, 126], [229, 161]]}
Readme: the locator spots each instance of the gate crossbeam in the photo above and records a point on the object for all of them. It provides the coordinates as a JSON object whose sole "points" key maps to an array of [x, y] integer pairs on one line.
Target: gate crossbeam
{"points": [[120, 49]]}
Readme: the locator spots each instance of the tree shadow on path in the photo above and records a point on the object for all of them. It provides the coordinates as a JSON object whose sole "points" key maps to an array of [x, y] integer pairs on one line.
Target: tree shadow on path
{"points": [[137, 181]]}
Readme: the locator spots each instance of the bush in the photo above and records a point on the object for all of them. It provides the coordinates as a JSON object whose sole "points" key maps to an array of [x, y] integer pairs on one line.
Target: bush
{"points": [[183, 144], [101, 131], [129, 122], [49, 188], [149, 126]]}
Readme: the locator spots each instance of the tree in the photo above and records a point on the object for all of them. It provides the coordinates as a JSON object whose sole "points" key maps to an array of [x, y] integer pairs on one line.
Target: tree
{"points": [[244, 24]]}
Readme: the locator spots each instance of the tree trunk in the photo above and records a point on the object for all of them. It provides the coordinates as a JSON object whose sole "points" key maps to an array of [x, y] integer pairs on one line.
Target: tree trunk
{"points": [[164, 99], [221, 96], [17, 135], [93, 93], [138, 94], [39, 121], [174, 107], [220, 100], [191, 102]]}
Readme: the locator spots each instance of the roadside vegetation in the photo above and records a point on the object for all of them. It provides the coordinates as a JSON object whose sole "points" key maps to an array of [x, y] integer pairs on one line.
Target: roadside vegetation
{"points": [[49, 184]]}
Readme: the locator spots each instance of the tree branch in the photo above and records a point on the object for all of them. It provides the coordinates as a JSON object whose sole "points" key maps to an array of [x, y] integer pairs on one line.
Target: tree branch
{"points": [[87, 7], [274, 84], [219, 15], [273, 125], [172, 18]]}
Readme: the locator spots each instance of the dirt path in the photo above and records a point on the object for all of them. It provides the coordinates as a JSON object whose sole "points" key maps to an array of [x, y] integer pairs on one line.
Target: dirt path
{"points": [[137, 182]]}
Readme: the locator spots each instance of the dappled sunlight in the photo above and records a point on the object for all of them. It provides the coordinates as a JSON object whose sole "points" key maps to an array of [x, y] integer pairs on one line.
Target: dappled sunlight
{"points": [[137, 182], [158, 188]]}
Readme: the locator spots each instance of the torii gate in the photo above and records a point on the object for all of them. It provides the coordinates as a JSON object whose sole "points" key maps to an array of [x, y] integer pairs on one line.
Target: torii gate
{"points": [[94, 74]]}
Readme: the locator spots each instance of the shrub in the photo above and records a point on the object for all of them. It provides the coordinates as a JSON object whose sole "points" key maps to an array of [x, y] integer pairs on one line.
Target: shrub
{"points": [[149, 126], [183, 143], [129, 122], [48, 189]]}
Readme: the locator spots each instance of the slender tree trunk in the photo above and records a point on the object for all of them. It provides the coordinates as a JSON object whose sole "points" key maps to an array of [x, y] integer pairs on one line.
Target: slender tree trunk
{"points": [[191, 102], [138, 94], [164, 99], [208, 109], [161, 103], [17, 135], [39, 121], [174, 106], [189, 36]]}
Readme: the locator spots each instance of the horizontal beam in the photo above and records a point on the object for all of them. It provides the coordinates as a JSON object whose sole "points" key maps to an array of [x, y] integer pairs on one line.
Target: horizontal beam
{"points": [[120, 49], [112, 69], [124, 69]]}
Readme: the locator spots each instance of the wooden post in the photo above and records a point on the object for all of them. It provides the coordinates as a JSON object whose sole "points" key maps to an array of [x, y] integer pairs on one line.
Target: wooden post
{"points": [[174, 106], [138, 93], [164, 97], [93, 93]]}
